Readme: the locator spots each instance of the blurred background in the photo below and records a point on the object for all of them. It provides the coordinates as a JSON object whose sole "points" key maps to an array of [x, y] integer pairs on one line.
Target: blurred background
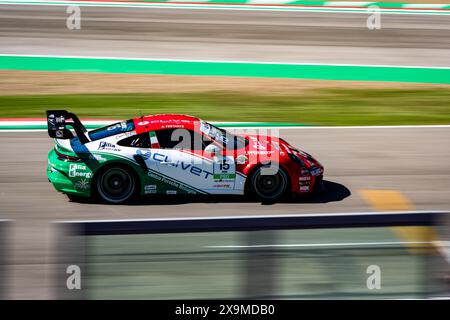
{"points": [[348, 256], [364, 87]]}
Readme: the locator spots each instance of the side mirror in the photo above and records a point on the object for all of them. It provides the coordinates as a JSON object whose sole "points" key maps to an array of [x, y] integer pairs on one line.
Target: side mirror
{"points": [[213, 150]]}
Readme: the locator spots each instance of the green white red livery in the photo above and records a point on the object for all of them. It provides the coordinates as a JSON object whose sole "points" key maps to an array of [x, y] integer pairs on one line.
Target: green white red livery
{"points": [[173, 154]]}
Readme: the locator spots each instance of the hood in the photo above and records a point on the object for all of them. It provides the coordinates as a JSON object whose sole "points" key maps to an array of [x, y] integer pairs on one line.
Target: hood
{"points": [[262, 148], [306, 158], [269, 145], [264, 144]]}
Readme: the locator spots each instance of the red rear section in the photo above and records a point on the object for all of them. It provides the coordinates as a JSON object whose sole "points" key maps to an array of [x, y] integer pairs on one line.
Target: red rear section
{"points": [[165, 121]]}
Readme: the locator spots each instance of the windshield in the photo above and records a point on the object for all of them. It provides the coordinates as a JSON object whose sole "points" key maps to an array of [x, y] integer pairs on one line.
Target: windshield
{"points": [[111, 130], [225, 138]]}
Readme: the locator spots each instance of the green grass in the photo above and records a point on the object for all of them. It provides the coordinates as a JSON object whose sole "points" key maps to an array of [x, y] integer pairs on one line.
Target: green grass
{"points": [[315, 107]]}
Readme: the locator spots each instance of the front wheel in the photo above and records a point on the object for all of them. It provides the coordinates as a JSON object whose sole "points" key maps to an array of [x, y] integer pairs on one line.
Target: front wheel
{"points": [[269, 186], [116, 185]]}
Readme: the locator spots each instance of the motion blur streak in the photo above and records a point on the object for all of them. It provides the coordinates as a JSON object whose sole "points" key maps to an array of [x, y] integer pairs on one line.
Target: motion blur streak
{"points": [[229, 35], [414, 161], [411, 161]]}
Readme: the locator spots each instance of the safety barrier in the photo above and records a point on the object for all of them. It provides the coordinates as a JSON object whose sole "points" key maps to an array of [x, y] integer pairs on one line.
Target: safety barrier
{"points": [[345, 255]]}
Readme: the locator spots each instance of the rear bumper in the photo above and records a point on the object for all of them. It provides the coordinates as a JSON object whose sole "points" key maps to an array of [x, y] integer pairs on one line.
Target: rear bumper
{"points": [[58, 173]]}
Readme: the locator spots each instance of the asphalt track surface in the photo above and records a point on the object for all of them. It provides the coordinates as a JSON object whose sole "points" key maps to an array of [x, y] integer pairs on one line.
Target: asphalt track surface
{"points": [[413, 161], [230, 35]]}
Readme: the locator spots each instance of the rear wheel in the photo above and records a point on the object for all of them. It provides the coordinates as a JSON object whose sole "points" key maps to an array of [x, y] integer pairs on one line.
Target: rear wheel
{"points": [[116, 184], [269, 187]]}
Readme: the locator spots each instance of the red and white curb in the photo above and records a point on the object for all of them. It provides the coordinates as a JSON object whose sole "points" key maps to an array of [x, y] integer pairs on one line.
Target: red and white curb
{"points": [[40, 125]]}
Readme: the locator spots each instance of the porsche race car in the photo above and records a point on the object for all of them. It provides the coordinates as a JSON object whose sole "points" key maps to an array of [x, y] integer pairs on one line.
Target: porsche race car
{"points": [[173, 154]]}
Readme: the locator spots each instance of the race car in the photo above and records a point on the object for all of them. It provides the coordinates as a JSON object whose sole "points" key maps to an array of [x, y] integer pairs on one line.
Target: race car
{"points": [[173, 154]]}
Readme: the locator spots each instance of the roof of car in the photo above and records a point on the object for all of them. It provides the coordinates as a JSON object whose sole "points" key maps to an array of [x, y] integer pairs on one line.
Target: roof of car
{"points": [[165, 121]]}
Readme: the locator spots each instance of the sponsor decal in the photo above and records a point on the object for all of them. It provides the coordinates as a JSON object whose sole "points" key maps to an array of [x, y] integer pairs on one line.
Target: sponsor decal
{"points": [[205, 127], [307, 178], [224, 176], [55, 123], [116, 126], [316, 171], [150, 188], [304, 188], [171, 192], [172, 183], [305, 183], [171, 126], [188, 167], [125, 135], [103, 145], [224, 169], [121, 125], [261, 151], [222, 186], [143, 123], [83, 184], [79, 170], [144, 153], [59, 134], [59, 120], [51, 121], [241, 159], [213, 132], [259, 146]]}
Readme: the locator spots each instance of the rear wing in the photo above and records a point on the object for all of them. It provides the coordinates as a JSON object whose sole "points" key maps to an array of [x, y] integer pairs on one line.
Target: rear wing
{"points": [[57, 125]]}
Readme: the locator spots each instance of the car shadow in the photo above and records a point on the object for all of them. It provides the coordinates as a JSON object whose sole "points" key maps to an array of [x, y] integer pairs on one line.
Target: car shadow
{"points": [[333, 192]]}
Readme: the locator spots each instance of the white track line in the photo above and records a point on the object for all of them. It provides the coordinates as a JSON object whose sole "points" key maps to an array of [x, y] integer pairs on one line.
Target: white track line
{"points": [[222, 61], [343, 244], [239, 7], [369, 213]]}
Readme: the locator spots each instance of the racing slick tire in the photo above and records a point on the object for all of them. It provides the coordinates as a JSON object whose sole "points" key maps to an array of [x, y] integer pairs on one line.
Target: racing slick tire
{"points": [[116, 184], [269, 188]]}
